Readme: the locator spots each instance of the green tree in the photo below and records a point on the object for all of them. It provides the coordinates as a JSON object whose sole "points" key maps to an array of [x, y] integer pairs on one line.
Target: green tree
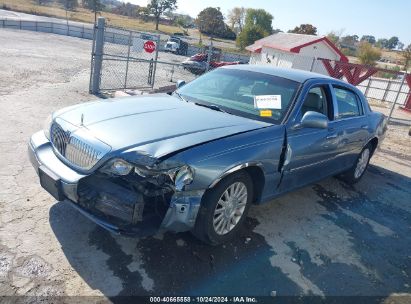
{"points": [[236, 18], [407, 57], [260, 18], [332, 36], [349, 42], [368, 38], [143, 13], [249, 35], [392, 43], [368, 54], [184, 21], [95, 6], [211, 21], [306, 29], [382, 43], [159, 7]]}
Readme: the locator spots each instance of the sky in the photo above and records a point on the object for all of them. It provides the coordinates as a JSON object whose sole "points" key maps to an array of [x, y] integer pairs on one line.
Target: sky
{"points": [[380, 18]]}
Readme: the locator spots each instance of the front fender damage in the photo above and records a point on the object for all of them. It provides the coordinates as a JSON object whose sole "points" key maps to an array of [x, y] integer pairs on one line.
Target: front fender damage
{"points": [[142, 202], [183, 210]]}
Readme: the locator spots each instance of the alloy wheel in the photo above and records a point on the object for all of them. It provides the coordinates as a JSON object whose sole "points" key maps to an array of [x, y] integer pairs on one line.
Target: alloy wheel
{"points": [[230, 208], [362, 163]]}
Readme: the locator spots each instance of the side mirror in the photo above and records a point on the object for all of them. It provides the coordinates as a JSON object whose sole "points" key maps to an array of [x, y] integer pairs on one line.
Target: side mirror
{"points": [[313, 119], [180, 83]]}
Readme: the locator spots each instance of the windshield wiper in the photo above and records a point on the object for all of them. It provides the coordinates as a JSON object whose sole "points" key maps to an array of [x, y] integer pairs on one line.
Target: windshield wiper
{"points": [[211, 106], [179, 96]]}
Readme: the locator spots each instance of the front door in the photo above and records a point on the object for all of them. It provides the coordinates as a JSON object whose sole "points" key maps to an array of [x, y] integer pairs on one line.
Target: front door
{"points": [[310, 151]]}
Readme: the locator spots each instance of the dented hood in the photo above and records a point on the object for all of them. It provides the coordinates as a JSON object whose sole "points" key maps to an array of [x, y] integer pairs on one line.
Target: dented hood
{"points": [[155, 124]]}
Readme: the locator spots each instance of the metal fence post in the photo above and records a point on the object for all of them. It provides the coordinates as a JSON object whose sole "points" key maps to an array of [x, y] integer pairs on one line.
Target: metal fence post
{"points": [[368, 87], [128, 59], [396, 97], [278, 60], [210, 52], [150, 73], [172, 73], [153, 77], [312, 64], [387, 89], [98, 55]]}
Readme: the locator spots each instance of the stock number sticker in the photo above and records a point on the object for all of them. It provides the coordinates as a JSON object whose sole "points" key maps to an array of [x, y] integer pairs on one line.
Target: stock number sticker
{"points": [[267, 102]]}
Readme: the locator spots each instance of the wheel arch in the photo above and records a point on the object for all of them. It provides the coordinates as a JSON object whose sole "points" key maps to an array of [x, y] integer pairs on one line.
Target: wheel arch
{"points": [[373, 142], [254, 170]]}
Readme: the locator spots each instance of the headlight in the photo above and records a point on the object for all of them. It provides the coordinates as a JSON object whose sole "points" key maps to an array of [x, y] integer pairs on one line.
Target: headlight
{"points": [[47, 126], [117, 167], [184, 177], [180, 176]]}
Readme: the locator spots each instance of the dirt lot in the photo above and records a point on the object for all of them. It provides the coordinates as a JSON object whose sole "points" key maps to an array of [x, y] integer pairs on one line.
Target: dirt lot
{"points": [[326, 239]]}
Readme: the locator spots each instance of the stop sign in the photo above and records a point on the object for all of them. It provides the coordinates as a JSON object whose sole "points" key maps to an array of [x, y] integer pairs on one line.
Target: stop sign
{"points": [[149, 46]]}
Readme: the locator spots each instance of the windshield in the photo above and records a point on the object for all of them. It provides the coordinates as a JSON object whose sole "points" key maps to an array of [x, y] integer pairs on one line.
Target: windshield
{"points": [[250, 94], [173, 40]]}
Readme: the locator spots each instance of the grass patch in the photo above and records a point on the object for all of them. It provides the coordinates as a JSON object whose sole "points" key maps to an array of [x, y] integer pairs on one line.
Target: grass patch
{"points": [[83, 15]]}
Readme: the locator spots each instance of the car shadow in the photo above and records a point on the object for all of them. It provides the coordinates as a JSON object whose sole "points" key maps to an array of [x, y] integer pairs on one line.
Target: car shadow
{"points": [[179, 264]]}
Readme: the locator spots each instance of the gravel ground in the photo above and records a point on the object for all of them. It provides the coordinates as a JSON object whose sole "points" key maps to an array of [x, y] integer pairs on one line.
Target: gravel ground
{"points": [[326, 239]]}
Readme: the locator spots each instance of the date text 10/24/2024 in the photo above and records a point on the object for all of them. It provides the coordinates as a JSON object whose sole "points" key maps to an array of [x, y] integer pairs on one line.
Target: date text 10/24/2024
{"points": [[205, 299]]}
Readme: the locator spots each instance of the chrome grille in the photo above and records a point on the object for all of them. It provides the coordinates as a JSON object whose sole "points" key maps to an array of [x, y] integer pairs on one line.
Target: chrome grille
{"points": [[75, 149], [59, 138], [81, 154]]}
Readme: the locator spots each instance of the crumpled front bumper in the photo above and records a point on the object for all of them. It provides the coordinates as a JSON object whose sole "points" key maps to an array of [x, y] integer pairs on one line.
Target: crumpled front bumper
{"points": [[180, 215]]}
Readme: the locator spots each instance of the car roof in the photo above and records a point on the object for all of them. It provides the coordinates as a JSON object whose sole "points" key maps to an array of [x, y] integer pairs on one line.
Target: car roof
{"points": [[291, 74]]}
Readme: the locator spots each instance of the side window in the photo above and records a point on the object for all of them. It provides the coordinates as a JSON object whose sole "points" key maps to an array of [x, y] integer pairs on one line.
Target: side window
{"points": [[348, 103], [316, 100]]}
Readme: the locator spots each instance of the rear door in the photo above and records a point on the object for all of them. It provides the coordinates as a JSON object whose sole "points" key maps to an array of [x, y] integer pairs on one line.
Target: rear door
{"points": [[350, 123]]}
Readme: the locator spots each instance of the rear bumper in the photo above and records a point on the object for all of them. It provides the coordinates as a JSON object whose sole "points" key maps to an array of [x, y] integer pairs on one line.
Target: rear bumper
{"points": [[111, 209]]}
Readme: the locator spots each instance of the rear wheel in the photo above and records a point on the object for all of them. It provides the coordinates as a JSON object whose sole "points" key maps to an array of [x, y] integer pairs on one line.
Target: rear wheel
{"points": [[354, 174], [224, 209]]}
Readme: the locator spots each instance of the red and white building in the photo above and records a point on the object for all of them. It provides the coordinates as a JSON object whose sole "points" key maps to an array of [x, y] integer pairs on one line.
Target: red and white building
{"points": [[294, 51]]}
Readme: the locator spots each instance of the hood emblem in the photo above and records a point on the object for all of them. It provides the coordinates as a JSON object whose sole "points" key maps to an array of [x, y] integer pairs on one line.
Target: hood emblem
{"points": [[82, 120]]}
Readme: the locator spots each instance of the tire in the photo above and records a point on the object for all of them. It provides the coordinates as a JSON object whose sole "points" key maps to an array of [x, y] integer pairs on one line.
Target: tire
{"points": [[216, 223], [357, 171]]}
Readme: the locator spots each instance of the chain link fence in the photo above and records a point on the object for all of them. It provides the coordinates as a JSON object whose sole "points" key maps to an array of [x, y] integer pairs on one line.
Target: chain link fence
{"points": [[121, 60], [84, 31], [126, 58]]}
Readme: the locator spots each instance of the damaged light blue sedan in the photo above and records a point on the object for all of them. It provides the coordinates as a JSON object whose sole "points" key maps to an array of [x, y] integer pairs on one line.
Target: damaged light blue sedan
{"points": [[198, 159]]}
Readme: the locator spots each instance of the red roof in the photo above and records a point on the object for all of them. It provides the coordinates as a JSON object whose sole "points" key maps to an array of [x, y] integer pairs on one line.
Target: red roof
{"points": [[293, 43]]}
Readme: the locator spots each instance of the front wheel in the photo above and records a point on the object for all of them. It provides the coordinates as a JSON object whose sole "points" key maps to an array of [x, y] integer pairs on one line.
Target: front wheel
{"points": [[224, 209], [354, 174]]}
